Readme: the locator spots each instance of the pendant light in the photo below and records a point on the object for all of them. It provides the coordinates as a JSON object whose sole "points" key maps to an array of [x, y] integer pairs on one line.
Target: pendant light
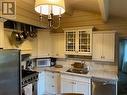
{"points": [[50, 8]]}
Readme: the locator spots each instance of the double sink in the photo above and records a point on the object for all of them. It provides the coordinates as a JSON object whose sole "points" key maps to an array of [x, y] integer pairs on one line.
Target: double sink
{"points": [[78, 68], [78, 71]]}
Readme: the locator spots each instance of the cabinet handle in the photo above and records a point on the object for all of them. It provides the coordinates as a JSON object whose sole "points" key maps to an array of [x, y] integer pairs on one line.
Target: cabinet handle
{"points": [[53, 77], [53, 86], [73, 82]]}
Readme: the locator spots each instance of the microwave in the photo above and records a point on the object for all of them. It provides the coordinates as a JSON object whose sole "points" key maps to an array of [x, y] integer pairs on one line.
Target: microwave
{"points": [[45, 62]]}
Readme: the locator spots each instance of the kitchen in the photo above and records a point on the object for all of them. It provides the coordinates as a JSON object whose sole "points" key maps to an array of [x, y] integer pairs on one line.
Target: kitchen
{"points": [[89, 37]]}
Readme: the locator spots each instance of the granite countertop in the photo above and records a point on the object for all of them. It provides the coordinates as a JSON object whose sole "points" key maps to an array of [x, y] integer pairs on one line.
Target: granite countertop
{"points": [[95, 73]]}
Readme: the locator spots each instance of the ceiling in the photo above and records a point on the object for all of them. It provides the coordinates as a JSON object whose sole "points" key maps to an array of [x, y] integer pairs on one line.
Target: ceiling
{"points": [[116, 7], [105, 7], [85, 5]]}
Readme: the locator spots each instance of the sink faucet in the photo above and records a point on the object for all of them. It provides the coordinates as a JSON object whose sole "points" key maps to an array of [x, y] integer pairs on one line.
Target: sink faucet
{"points": [[84, 64]]}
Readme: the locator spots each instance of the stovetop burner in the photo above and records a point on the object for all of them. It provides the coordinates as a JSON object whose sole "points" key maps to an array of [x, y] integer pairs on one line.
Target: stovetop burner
{"points": [[29, 77]]}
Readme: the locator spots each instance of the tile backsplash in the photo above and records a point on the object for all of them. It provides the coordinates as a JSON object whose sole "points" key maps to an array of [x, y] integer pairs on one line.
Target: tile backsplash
{"points": [[105, 66]]}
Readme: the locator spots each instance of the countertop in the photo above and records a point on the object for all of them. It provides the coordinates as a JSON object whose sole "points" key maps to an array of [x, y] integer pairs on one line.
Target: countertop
{"points": [[110, 75]]}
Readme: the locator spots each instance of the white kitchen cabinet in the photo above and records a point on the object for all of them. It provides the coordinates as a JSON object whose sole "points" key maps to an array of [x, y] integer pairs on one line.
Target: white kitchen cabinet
{"points": [[44, 43], [41, 83], [52, 82], [58, 45], [83, 87], [78, 41], [75, 84], [104, 46], [67, 85], [48, 83]]}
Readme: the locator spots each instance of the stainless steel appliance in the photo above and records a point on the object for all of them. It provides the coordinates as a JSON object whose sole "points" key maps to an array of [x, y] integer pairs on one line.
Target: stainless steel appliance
{"points": [[10, 77], [29, 77], [45, 62], [122, 67], [103, 87]]}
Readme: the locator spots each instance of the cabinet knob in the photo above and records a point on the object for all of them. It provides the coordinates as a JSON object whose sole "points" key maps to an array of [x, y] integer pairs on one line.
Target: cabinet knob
{"points": [[53, 86], [57, 54], [76, 51], [103, 57]]}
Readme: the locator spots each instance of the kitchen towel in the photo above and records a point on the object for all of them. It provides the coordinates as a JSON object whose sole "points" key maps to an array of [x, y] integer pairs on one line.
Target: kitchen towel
{"points": [[28, 89]]}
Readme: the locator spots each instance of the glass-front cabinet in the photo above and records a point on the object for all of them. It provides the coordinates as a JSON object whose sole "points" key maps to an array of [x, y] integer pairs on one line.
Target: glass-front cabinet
{"points": [[78, 41], [70, 41]]}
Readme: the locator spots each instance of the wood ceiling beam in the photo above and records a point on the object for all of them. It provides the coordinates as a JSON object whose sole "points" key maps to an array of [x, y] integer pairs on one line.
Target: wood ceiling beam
{"points": [[69, 10], [104, 9]]}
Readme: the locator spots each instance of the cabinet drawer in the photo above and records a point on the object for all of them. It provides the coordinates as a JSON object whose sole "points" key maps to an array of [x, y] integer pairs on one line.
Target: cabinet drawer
{"points": [[76, 78]]}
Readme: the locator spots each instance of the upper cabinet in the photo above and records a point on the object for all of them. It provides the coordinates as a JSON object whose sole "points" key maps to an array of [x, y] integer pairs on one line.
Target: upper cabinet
{"points": [[58, 45], [78, 41], [44, 43], [104, 46]]}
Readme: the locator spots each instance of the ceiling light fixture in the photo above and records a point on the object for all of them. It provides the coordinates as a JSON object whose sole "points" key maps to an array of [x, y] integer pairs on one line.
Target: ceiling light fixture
{"points": [[51, 8]]}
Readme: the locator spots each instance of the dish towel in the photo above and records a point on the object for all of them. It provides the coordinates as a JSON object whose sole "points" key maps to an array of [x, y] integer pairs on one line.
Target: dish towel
{"points": [[28, 89]]}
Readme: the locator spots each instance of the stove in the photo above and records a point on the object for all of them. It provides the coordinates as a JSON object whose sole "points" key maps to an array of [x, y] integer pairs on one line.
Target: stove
{"points": [[29, 77]]}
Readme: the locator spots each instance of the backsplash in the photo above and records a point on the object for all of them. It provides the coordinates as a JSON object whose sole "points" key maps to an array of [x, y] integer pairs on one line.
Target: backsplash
{"points": [[92, 65]]}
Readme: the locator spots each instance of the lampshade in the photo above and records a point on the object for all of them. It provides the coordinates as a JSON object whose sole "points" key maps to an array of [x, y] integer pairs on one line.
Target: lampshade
{"points": [[47, 6]]}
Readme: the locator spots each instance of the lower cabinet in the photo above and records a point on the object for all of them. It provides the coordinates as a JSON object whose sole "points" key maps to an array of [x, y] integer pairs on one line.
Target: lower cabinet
{"points": [[52, 82], [67, 85], [75, 84], [48, 83]]}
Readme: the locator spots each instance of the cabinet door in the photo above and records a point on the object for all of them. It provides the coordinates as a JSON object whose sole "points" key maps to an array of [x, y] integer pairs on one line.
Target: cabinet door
{"points": [[108, 47], [44, 43], [67, 86], [52, 83], [58, 45], [70, 44], [41, 84], [97, 46], [83, 88], [84, 44]]}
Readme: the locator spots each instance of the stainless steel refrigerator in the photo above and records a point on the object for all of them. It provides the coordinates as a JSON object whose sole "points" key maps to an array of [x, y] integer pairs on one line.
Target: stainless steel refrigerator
{"points": [[10, 77]]}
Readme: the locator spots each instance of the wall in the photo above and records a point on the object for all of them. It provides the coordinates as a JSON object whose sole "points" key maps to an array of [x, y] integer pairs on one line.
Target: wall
{"points": [[1, 34], [83, 18], [91, 65], [28, 45]]}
